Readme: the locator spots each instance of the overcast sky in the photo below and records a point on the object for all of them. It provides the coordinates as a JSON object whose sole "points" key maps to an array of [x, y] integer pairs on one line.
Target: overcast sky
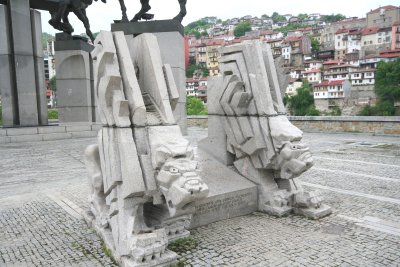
{"points": [[102, 15]]}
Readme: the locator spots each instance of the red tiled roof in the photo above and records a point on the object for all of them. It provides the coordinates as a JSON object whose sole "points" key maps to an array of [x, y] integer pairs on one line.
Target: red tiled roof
{"points": [[312, 71], [390, 7], [349, 21], [293, 38], [340, 66], [362, 70], [273, 40], [332, 62], [192, 80], [328, 83], [344, 30], [387, 29], [370, 56], [267, 32], [370, 30], [215, 42], [389, 53]]}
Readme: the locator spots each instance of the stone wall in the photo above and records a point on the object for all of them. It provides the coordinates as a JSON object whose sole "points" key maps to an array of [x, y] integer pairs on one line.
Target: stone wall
{"points": [[352, 124]]}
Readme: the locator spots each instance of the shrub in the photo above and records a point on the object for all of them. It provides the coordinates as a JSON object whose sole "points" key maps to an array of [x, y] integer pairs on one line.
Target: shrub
{"points": [[195, 106], [53, 114]]}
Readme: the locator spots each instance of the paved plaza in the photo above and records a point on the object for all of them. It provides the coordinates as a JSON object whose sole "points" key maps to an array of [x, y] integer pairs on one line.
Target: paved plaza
{"points": [[44, 189]]}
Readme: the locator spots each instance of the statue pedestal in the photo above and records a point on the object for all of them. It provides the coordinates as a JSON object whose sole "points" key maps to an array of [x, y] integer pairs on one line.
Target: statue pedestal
{"points": [[169, 34], [75, 90], [22, 82], [230, 195]]}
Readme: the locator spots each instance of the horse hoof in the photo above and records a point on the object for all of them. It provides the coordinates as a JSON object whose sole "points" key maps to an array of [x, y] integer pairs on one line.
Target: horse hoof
{"points": [[147, 16]]}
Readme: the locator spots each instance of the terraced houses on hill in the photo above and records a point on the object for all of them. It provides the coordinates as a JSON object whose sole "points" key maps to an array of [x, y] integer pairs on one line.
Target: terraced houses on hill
{"points": [[342, 70]]}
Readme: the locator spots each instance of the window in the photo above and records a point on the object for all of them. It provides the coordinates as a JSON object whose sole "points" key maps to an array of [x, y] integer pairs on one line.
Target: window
{"points": [[379, 40]]}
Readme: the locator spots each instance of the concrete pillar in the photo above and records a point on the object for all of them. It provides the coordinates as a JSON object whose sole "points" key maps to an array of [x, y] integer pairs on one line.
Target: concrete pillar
{"points": [[38, 57], [170, 39], [75, 90], [9, 106], [22, 78]]}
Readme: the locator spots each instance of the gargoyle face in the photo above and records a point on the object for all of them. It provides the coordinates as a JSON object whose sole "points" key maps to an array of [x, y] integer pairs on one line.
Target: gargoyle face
{"points": [[293, 159], [180, 184]]}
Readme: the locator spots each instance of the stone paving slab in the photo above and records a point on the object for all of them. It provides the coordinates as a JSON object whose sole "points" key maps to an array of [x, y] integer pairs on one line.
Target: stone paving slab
{"points": [[43, 193]]}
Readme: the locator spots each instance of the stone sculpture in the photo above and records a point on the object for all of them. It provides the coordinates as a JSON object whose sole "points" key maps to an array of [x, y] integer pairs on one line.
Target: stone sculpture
{"points": [[143, 177], [142, 14], [257, 138]]}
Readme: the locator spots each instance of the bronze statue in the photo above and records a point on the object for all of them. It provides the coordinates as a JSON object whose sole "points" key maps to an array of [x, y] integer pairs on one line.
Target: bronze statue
{"points": [[60, 9], [78, 7], [142, 14]]}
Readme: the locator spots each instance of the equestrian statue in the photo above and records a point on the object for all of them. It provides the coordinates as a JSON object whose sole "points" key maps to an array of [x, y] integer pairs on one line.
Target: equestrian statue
{"points": [[59, 11], [142, 14]]}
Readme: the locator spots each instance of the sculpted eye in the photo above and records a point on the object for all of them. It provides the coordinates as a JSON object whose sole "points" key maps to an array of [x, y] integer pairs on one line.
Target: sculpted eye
{"points": [[173, 170]]}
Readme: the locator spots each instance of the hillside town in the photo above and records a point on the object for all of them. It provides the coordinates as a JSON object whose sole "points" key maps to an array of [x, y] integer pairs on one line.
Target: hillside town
{"points": [[339, 59]]}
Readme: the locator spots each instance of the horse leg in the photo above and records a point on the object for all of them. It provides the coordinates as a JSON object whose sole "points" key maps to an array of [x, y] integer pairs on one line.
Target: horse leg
{"points": [[182, 13], [81, 14], [67, 27], [56, 17], [123, 9], [145, 7]]}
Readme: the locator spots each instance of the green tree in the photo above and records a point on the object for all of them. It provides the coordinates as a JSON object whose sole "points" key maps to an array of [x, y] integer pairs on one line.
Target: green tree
{"points": [[302, 104], [302, 16], [290, 27], [242, 28], [315, 45], [53, 83], [387, 81], [192, 68], [277, 18], [387, 89], [333, 18], [382, 108], [200, 25], [195, 106], [45, 38]]}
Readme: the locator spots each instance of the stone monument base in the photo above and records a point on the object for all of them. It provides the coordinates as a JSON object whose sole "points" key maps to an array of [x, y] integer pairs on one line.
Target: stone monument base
{"points": [[167, 258], [230, 195]]}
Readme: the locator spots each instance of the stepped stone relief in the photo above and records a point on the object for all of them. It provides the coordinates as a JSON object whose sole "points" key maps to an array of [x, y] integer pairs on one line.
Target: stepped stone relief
{"points": [[248, 128], [143, 178]]}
